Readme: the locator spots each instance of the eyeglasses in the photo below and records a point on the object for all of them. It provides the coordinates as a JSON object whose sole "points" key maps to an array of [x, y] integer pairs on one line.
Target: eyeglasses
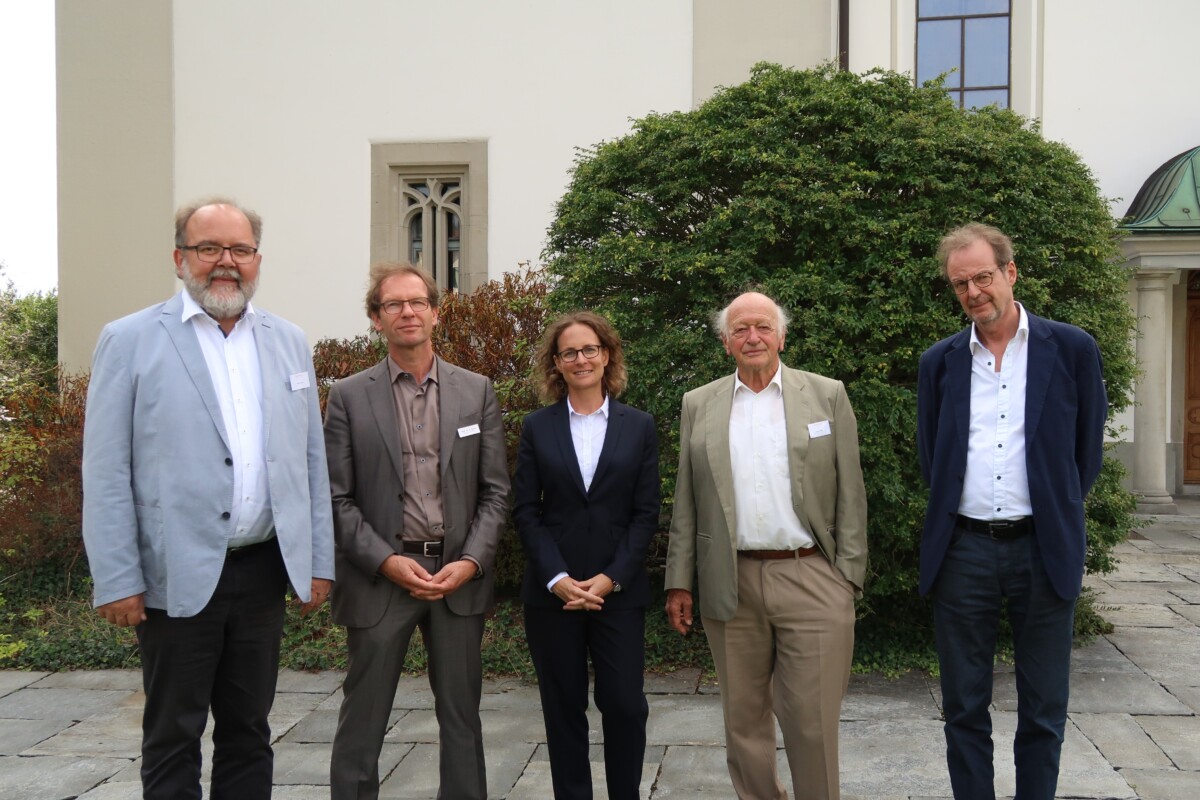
{"points": [[211, 253], [588, 351], [981, 281], [417, 304]]}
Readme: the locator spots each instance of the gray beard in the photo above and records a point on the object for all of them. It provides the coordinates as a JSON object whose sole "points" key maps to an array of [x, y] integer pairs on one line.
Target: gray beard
{"points": [[221, 305]]}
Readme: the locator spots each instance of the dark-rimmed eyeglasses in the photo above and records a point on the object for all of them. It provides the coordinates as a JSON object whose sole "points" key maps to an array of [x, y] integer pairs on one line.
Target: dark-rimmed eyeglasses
{"points": [[211, 253], [981, 280], [417, 304], [571, 353]]}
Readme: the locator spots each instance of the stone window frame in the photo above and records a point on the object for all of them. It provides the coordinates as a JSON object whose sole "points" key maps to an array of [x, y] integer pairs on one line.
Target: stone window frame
{"points": [[392, 163]]}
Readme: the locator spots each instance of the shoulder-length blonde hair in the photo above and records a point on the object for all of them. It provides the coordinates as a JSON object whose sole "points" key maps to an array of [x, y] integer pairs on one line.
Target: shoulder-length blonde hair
{"points": [[551, 386]]}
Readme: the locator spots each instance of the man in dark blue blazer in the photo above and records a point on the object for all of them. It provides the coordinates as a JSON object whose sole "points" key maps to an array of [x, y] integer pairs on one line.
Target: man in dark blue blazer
{"points": [[1010, 429]]}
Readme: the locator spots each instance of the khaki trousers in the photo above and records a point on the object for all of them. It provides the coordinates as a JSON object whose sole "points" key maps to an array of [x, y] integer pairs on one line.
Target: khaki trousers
{"points": [[786, 654]]}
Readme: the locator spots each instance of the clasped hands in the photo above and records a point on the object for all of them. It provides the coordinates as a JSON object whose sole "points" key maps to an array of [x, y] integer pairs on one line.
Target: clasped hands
{"points": [[408, 574], [583, 595]]}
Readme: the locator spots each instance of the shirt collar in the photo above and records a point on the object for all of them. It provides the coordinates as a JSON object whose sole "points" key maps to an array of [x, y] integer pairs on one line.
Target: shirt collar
{"points": [[776, 380], [1022, 331], [395, 371], [603, 409], [192, 309]]}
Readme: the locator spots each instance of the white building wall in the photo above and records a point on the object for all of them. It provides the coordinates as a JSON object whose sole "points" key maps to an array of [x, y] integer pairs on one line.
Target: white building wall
{"points": [[279, 104], [1119, 83]]}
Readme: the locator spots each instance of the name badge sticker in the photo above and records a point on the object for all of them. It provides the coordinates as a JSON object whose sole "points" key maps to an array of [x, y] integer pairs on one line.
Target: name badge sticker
{"points": [[299, 381], [470, 430], [818, 429]]}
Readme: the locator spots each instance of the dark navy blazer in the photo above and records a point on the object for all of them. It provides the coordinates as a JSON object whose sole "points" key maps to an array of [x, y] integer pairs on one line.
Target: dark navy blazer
{"points": [[583, 533], [1065, 410]]}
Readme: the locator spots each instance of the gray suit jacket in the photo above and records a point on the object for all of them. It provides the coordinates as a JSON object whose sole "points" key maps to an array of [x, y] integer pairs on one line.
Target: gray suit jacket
{"points": [[828, 494], [157, 472], [366, 474]]}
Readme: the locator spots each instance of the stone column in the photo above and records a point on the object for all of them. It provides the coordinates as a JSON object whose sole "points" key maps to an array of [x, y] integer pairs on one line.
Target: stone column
{"points": [[1150, 420]]}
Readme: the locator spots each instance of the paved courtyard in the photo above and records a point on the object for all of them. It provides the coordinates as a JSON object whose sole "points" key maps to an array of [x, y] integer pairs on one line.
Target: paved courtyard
{"points": [[1133, 730]]}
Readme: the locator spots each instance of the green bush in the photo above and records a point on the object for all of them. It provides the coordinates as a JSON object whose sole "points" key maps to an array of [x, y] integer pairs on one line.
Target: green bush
{"points": [[830, 191]]}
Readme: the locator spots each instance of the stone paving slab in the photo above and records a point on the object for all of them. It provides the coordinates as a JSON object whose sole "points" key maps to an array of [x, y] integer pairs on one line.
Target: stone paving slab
{"points": [[1122, 741], [893, 756], [1168, 656], [1164, 784], [1188, 695], [27, 778], [325, 682], [1189, 612], [1095, 693], [67, 704], [309, 763], [682, 681], [12, 680], [1188, 593], [129, 680], [123, 790], [115, 733], [686, 720], [18, 735], [1179, 738], [875, 697], [1101, 655], [1139, 616]]}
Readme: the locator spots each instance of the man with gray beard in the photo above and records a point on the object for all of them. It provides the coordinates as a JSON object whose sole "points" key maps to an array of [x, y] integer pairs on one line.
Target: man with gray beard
{"points": [[206, 495]]}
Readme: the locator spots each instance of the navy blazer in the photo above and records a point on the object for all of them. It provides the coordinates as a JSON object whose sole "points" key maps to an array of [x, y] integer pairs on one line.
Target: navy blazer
{"points": [[605, 529], [1065, 410]]}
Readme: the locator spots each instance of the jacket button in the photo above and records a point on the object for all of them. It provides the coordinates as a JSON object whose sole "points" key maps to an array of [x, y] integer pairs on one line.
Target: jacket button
{"points": [[225, 515], [229, 462]]}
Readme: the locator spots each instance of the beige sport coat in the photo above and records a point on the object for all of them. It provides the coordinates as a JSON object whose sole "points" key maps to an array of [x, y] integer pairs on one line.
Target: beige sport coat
{"points": [[827, 487]]}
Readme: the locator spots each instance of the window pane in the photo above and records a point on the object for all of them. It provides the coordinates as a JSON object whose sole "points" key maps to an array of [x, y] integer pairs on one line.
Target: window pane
{"points": [[957, 8], [986, 97], [938, 51], [986, 52]]}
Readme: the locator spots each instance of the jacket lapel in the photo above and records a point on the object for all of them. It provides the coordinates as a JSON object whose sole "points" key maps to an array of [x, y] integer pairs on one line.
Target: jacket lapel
{"points": [[716, 436], [264, 342], [188, 347], [1043, 352], [560, 421], [449, 392], [383, 406], [612, 438], [796, 413], [958, 372]]}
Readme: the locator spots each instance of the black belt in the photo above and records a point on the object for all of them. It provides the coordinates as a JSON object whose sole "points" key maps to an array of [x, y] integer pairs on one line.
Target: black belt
{"points": [[247, 549], [1003, 529], [427, 549]]}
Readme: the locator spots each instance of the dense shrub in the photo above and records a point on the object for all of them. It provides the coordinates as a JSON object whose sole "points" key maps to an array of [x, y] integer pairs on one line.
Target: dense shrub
{"points": [[830, 191], [28, 339]]}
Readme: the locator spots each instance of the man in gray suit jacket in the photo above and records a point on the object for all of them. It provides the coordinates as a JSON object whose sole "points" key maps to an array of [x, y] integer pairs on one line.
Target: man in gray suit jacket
{"points": [[205, 494], [771, 511], [419, 479]]}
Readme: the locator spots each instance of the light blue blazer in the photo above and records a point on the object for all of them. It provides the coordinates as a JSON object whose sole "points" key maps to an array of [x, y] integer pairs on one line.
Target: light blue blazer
{"points": [[158, 472]]}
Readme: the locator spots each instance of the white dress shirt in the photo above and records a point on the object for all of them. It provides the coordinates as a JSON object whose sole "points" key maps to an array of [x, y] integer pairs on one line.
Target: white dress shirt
{"points": [[996, 484], [762, 480], [237, 378], [587, 435]]}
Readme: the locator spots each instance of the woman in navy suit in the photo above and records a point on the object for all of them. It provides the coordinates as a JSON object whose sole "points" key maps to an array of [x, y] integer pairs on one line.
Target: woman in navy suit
{"points": [[586, 506]]}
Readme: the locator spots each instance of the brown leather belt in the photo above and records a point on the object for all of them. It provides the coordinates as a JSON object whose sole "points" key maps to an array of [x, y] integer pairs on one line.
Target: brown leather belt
{"points": [[1003, 529], [773, 555]]}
